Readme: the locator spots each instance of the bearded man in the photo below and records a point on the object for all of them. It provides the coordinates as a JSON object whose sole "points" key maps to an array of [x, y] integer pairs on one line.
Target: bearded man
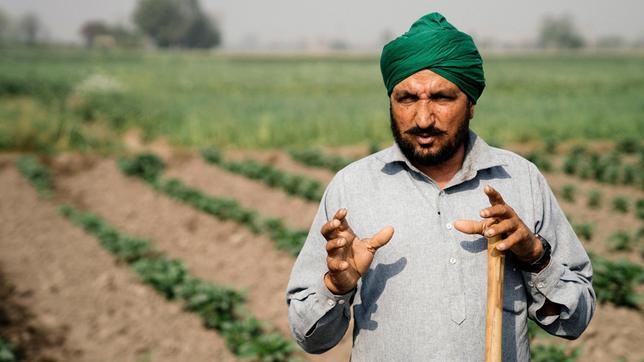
{"points": [[418, 294]]}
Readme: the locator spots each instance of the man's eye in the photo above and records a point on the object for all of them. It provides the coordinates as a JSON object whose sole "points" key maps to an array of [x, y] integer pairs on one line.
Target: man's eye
{"points": [[442, 97], [406, 99]]}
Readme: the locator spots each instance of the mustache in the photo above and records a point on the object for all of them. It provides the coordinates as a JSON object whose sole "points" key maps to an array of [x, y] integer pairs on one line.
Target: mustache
{"points": [[427, 132]]}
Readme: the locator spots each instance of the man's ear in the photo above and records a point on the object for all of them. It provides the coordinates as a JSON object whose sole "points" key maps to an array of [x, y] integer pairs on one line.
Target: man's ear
{"points": [[471, 105]]}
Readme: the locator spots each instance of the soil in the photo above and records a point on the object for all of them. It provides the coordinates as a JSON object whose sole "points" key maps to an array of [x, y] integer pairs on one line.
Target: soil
{"points": [[92, 308], [112, 316]]}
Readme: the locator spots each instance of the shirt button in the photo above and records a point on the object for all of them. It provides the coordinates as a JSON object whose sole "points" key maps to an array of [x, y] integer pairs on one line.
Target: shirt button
{"points": [[452, 260], [540, 285], [341, 301], [330, 302], [449, 226], [531, 284]]}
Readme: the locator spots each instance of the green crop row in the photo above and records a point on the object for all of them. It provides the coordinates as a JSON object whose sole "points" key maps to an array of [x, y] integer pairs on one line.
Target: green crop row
{"points": [[553, 353], [548, 353], [295, 185], [594, 200], [36, 173], [606, 168], [317, 158], [622, 240], [220, 308], [616, 281], [149, 168]]}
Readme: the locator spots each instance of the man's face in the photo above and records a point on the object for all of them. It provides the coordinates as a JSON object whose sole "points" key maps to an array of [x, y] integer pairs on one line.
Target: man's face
{"points": [[429, 118]]}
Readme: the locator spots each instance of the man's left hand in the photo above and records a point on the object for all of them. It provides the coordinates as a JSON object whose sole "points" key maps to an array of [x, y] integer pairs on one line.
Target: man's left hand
{"points": [[500, 219]]}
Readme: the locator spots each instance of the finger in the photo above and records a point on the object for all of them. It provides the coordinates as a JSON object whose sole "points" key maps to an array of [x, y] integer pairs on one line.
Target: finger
{"points": [[344, 230], [493, 195], [520, 240], [508, 242], [381, 238], [336, 265], [329, 229], [336, 247], [340, 214], [470, 226], [507, 226], [498, 211]]}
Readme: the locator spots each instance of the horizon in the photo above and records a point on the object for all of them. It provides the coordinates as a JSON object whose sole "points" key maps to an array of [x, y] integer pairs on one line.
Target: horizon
{"points": [[309, 26]]}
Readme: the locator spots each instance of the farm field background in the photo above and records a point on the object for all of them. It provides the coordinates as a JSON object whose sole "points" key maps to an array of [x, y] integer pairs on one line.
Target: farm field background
{"points": [[78, 99], [234, 222]]}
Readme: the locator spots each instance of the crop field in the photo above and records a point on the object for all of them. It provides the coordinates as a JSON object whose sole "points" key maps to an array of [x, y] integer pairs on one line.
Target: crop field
{"points": [[69, 99], [152, 204]]}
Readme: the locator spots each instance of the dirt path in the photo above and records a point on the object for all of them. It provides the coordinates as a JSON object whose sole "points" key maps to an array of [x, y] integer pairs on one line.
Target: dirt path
{"points": [[269, 201], [612, 333], [31, 338], [222, 252], [282, 160], [69, 283]]}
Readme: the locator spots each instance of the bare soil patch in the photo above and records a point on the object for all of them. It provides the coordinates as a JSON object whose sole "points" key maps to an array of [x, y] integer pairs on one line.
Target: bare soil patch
{"points": [[249, 193], [68, 283], [282, 160], [31, 339]]}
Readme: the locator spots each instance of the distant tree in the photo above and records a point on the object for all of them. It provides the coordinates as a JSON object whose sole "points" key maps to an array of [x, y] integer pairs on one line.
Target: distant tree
{"points": [[93, 28], [97, 31], [176, 23], [560, 32], [202, 33], [30, 29]]}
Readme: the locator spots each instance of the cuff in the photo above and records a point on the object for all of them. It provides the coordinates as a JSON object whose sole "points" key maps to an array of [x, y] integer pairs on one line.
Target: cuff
{"points": [[331, 299], [541, 286]]}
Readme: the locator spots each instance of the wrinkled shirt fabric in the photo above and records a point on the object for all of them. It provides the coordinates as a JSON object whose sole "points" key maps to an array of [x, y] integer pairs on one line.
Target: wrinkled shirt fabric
{"points": [[424, 296]]}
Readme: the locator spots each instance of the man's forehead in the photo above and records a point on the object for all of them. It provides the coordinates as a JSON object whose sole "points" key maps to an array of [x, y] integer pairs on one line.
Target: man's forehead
{"points": [[425, 80]]}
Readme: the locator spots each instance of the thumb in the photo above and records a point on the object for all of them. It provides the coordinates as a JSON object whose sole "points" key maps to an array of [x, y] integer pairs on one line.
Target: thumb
{"points": [[381, 238], [469, 226]]}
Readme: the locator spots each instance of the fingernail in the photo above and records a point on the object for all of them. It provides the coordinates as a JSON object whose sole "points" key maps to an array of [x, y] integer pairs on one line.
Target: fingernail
{"points": [[500, 246], [483, 213], [489, 232], [341, 242], [336, 222]]}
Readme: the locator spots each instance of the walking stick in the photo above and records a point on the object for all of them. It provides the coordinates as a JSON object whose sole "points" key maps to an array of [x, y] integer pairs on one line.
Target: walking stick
{"points": [[494, 312]]}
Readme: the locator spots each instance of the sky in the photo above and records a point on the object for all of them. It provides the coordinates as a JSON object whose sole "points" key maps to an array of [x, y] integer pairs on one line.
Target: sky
{"points": [[360, 23]]}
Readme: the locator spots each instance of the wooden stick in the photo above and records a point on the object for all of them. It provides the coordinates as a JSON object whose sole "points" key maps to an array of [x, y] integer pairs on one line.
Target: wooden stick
{"points": [[494, 312]]}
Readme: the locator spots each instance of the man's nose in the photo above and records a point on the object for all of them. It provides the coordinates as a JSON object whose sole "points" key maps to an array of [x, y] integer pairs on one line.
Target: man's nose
{"points": [[425, 115]]}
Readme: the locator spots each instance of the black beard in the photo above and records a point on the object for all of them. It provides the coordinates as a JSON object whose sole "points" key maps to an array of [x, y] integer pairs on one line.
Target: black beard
{"points": [[445, 153]]}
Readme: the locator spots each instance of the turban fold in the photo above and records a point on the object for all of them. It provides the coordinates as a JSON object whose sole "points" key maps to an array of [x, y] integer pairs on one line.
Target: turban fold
{"points": [[435, 44]]}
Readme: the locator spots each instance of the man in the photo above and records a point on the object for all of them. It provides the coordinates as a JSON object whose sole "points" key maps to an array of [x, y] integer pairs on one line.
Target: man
{"points": [[418, 293]]}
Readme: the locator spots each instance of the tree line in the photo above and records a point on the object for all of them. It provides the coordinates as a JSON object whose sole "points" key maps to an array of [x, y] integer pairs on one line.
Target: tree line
{"points": [[161, 23]]}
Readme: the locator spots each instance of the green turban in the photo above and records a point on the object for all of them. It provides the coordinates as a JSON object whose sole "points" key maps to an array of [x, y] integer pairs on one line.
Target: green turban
{"points": [[435, 44]]}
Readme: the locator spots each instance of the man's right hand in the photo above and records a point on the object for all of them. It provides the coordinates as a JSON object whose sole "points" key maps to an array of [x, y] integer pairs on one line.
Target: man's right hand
{"points": [[348, 257]]}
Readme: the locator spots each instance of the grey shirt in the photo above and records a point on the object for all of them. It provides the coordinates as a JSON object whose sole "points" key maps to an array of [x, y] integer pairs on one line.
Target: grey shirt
{"points": [[423, 298]]}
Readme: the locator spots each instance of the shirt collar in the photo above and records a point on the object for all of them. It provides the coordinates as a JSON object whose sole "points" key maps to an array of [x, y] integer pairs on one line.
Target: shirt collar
{"points": [[478, 156]]}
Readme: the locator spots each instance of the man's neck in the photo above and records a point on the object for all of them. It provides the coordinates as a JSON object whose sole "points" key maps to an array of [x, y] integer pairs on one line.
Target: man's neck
{"points": [[443, 173]]}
